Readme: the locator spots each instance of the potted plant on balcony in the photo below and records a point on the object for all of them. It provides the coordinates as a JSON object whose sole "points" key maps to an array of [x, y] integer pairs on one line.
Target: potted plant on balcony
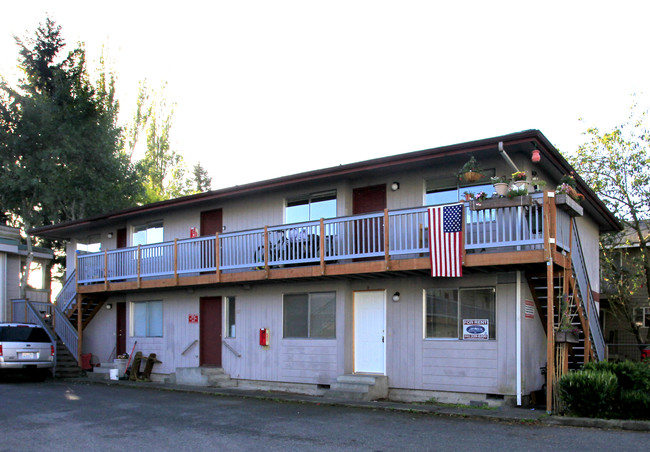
{"points": [[468, 195], [519, 179], [471, 171], [567, 198], [500, 185], [566, 332]]}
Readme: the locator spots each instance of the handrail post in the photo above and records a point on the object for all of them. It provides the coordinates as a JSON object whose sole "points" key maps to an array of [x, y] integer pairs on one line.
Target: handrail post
{"points": [[322, 246], [217, 256], [139, 257], [176, 261], [105, 269], [266, 250], [386, 244]]}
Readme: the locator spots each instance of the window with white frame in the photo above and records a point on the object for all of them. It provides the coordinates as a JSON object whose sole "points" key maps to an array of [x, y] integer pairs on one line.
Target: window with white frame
{"points": [[90, 244], [148, 233], [311, 207], [147, 319], [445, 309], [309, 315], [447, 190], [230, 317]]}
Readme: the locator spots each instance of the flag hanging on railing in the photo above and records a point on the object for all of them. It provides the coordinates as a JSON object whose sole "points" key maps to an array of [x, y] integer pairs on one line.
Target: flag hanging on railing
{"points": [[446, 240]]}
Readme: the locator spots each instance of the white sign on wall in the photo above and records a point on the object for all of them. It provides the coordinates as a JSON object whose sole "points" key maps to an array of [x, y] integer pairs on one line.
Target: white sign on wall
{"points": [[476, 329]]}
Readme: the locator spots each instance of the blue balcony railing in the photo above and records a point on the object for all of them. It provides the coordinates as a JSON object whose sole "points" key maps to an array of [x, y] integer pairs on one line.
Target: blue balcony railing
{"points": [[330, 240]]}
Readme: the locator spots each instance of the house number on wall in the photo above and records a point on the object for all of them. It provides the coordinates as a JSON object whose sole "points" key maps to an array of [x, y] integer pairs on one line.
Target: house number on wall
{"points": [[193, 318]]}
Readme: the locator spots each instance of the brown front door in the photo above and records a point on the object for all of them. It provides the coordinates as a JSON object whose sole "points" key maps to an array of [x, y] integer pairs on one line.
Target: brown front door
{"points": [[121, 238], [211, 222], [369, 232], [369, 199], [120, 330], [210, 332]]}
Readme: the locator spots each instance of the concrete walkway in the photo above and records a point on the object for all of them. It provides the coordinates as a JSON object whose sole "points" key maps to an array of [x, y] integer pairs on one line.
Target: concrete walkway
{"points": [[502, 414]]}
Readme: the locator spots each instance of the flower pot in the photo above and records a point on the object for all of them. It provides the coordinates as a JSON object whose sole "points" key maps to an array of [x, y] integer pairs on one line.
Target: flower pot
{"points": [[566, 203], [501, 188], [520, 183], [568, 337]]}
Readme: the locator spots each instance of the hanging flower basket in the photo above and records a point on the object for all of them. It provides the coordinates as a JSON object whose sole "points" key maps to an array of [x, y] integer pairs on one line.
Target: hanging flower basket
{"points": [[471, 176]]}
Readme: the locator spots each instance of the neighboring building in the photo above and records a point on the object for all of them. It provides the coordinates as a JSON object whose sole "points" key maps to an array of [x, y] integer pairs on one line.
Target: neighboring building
{"points": [[621, 343], [331, 270], [12, 258]]}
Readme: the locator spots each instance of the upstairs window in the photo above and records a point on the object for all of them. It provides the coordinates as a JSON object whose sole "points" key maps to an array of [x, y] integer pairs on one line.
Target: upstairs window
{"points": [[90, 244], [311, 207], [148, 233], [447, 190]]}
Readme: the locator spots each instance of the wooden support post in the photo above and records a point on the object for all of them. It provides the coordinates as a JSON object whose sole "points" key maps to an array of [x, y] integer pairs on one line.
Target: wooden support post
{"points": [[176, 261], [138, 265], [79, 329], [105, 269], [322, 246], [386, 243], [550, 300], [217, 256], [266, 250]]}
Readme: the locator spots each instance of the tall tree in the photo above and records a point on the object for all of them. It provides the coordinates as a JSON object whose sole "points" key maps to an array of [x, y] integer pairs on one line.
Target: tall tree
{"points": [[616, 164], [162, 169], [201, 180], [61, 154]]}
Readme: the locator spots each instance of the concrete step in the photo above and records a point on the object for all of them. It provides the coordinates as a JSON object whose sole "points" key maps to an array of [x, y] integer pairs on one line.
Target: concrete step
{"points": [[358, 387], [203, 376]]}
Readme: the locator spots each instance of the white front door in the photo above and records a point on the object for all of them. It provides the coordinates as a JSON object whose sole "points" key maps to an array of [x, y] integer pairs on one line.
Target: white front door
{"points": [[370, 331]]}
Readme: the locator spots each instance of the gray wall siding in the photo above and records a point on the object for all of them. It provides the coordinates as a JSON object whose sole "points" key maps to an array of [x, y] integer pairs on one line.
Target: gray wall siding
{"points": [[99, 336]]}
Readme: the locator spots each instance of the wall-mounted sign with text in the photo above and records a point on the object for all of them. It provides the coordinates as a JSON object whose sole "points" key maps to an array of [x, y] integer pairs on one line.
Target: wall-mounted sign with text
{"points": [[476, 329]]}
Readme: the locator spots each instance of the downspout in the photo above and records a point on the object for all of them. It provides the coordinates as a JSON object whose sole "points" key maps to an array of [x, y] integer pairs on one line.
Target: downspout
{"points": [[506, 157], [518, 337]]}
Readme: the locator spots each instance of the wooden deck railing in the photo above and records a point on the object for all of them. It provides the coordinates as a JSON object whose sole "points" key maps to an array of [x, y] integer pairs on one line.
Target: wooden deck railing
{"points": [[323, 241]]}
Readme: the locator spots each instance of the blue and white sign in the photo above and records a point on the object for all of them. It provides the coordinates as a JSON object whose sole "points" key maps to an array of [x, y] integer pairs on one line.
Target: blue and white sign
{"points": [[476, 329]]}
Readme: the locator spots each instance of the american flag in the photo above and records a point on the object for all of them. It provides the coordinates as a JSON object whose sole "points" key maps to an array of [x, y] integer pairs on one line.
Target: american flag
{"points": [[446, 240]]}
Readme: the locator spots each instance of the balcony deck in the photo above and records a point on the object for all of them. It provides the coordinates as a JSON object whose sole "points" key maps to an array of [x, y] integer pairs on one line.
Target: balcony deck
{"points": [[507, 234]]}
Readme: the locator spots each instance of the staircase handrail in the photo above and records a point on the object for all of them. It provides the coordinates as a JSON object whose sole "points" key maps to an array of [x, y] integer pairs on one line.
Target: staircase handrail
{"points": [[66, 332], [33, 316], [68, 292], [586, 296]]}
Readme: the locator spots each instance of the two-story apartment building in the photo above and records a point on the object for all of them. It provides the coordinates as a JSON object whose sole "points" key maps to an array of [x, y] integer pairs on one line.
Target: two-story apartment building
{"points": [[322, 281]]}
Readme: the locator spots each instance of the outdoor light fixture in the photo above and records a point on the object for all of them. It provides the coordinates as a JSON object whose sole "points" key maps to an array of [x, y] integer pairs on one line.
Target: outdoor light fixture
{"points": [[396, 297], [109, 306], [394, 186], [110, 235]]}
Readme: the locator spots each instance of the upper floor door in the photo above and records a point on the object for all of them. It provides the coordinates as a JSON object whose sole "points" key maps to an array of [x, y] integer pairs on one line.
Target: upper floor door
{"points": [[211, 222], [369, 232]]}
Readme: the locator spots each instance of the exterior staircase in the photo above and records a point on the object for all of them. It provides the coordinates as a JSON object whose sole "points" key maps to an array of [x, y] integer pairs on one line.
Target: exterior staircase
{"points": [[66, 364], [359, 387], [584, 315]]}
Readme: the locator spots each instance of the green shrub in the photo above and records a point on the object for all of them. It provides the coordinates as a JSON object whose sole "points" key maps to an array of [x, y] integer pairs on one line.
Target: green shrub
{"points": [[634, 405], [631, 375], [589, 393]]}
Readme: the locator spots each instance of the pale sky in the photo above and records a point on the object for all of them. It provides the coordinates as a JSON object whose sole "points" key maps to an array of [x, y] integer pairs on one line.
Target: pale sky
{"points": [[271, 88]]}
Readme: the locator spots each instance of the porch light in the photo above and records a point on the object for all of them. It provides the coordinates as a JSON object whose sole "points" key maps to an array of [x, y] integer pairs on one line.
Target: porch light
{"points": [[394, 186], [109, 306], [109, 235], [396, 297]]}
